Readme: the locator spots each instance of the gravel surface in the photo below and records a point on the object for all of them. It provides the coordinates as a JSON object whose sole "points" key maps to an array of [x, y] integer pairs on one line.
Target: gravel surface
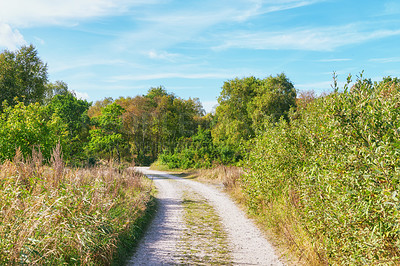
{"points": [[160, 244]]}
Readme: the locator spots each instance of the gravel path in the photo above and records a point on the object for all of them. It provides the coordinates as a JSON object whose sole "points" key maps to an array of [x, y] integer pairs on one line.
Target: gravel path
{"points": [[159, 245]]}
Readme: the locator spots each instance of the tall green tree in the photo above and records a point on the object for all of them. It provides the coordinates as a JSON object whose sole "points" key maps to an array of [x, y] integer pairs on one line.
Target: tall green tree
{"points": [[245, 104], [233, 121], [55, 88], [23, 76], [73, 113], [107, 140], [274, 98]]}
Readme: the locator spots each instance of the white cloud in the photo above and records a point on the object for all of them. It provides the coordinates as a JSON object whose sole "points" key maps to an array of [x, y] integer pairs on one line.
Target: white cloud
{"points": [[209, 106], [163, 55], [82, 95], [315, 85], [314, 39], [39, 40], [392, 8], [87, 63], [9, 38]]}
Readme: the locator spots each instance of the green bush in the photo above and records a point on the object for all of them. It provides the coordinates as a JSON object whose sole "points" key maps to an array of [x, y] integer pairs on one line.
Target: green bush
{"points": [[199, 151], [337, 163], [27, 127]]}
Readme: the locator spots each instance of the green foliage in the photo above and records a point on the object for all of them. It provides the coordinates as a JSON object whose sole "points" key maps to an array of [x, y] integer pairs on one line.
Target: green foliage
{"points": [[199, 151], [23, 76], [244, 105], [73, 113], [337, 164], [106, 138], [274, 98], [29, 127]]}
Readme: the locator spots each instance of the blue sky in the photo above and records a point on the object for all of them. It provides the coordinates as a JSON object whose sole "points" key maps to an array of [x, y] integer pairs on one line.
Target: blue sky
{"points": [[112, 48]]}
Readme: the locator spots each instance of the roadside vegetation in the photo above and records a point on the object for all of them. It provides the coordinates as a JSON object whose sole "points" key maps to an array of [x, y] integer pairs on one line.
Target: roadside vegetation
{"points": [[319, 172], [55, 215], [330, 175]]}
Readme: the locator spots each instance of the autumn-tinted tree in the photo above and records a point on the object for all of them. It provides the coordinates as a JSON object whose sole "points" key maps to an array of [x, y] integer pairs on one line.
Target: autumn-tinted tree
{"points": [[157, 121], [98, 106]]}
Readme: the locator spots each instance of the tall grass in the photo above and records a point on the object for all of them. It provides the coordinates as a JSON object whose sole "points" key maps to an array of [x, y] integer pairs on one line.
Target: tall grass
{"points": [[55, 215]]}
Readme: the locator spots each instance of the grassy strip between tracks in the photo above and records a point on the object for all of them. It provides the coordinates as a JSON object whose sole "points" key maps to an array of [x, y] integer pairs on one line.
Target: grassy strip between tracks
{"points": [[204, 241]]}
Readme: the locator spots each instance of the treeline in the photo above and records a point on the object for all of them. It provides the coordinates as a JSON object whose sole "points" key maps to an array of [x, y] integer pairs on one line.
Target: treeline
{"points": [[37, 114], [244, 106], [142, 127]]}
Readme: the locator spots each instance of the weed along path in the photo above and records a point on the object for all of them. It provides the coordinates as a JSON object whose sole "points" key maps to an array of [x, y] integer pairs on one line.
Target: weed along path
{"points": [[196, 224]]}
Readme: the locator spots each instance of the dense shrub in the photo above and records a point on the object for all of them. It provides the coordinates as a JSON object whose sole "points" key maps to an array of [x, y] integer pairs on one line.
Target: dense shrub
{"points": [[337, 164], [199, 151]]}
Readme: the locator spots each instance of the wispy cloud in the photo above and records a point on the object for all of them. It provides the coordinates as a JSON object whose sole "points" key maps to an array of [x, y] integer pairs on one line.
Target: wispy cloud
{"points": [[169, 76], [163, 55], [280, 5], [163, 29], [385, 60], [312, 39], [209, 106], [9, 38], [392, 8], [315, 86], [335, 60], [89, 62]]}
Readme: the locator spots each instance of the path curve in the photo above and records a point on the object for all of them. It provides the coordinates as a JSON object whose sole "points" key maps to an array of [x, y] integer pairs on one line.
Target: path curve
{"points": [[158, 247]]}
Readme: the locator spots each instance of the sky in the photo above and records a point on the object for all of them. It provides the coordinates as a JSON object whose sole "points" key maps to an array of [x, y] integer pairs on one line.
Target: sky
{"points": [[113, 48]]}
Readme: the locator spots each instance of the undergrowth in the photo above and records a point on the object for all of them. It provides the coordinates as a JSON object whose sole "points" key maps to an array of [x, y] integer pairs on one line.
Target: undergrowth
{"points": [[54, 215]]}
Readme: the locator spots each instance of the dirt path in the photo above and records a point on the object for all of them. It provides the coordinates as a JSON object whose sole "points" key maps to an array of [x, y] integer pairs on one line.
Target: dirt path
{"points": [[198, 224]]}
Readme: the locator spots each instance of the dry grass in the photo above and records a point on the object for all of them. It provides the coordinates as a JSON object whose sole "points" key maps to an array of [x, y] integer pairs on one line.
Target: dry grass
{"points": [[228, 176], [55, 215], [278, 222]]}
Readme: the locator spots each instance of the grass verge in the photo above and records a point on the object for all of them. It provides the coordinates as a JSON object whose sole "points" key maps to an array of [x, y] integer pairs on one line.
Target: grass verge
{"points": [[55, 215]]}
